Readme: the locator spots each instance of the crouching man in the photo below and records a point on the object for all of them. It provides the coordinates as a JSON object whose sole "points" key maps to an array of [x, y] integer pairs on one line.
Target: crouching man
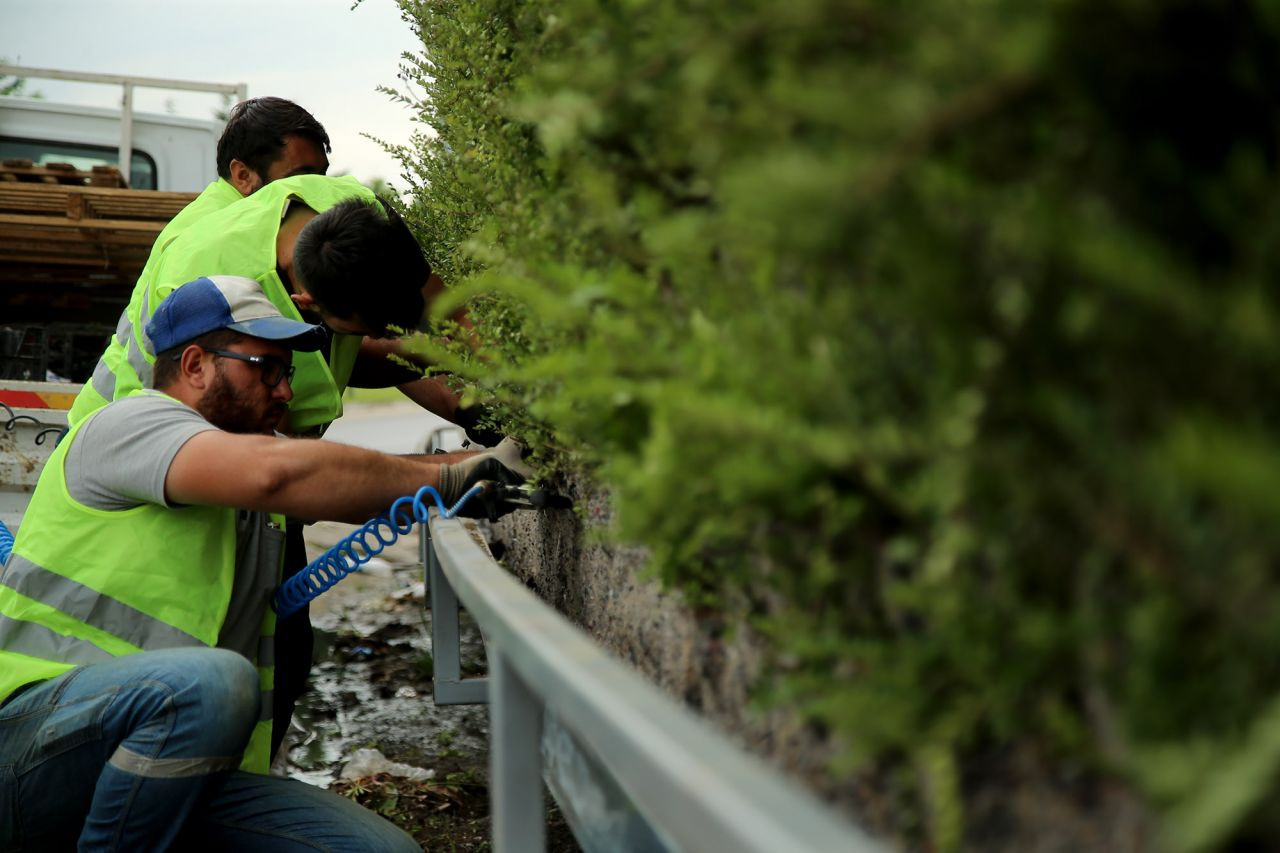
{"points": [[135, 609]]}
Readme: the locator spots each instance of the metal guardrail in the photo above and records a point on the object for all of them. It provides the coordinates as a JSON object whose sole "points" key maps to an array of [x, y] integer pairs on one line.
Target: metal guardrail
{"points": [[447, 685], [686, 786]]}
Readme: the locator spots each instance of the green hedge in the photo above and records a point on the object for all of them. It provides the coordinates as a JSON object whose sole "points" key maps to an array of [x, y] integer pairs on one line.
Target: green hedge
{"points": [[945, 333]]}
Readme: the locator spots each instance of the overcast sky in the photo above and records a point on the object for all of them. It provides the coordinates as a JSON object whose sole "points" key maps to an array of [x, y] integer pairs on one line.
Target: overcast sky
{"points": [[322, 54]]}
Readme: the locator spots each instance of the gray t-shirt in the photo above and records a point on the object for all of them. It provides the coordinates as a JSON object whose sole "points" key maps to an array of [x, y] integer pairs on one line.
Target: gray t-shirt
{"points": [[119, 460]]}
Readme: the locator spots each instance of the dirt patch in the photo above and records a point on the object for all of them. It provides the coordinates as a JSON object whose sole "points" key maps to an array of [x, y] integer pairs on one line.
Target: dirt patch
{"points": [[371, 688], [453, 813]]}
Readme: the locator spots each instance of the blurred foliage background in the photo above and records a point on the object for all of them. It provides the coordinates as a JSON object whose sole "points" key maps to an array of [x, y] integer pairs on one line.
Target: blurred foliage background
{"points": [[943, 332]]}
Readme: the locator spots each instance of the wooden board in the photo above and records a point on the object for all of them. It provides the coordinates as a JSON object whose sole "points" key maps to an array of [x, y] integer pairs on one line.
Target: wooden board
{"points": [[74, 252], [101, 229], [19, 170]]}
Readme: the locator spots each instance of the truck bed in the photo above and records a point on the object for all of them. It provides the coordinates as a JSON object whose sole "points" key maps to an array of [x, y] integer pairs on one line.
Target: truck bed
{"points": [[69, 256], [64, 246], [32, 414]]}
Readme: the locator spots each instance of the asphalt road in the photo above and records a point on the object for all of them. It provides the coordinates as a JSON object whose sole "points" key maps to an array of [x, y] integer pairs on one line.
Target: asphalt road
{"points": [[400, 427]]}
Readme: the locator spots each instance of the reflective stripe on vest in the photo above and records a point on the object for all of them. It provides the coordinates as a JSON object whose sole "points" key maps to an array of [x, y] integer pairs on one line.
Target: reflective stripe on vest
{"points": [[93, 607], [103, 383], [137, 359], [123, 328], [35, 640]]}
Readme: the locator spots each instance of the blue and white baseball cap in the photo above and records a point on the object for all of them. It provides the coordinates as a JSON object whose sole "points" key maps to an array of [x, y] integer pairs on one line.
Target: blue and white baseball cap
{"points": [[227, 302]]}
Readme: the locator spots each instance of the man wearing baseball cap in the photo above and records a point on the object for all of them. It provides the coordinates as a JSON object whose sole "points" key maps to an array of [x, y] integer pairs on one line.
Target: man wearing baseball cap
{"points": [[135, 618]]}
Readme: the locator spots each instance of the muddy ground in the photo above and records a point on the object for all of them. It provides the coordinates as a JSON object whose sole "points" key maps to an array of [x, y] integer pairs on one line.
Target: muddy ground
{"points": [[371, 689]]}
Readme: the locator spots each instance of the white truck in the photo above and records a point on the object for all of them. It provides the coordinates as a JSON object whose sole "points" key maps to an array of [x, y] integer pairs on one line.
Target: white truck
{"points": [[75, 231]]}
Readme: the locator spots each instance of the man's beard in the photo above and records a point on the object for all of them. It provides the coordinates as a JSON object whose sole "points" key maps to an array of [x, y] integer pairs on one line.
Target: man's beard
{"points": [[221, 407]]}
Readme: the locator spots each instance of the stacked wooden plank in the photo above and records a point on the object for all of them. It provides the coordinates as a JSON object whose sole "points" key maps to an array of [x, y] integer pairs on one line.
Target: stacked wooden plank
{"points": [[19, 170], [68, 245]]}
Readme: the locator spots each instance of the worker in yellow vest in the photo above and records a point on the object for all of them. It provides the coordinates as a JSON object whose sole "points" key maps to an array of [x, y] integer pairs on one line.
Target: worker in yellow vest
{"points": [[265, 139], [321, 246], [268, 140], [324, 250], [135, 620]]}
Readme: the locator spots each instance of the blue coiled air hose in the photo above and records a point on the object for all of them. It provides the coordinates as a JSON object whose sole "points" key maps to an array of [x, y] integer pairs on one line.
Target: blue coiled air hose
{"points": [[6, 543], [344, 558]]}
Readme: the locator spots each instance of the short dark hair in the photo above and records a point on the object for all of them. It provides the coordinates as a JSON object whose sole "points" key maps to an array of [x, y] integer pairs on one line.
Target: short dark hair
{"points": [[166, 370], [256, 130], [359, 260]]}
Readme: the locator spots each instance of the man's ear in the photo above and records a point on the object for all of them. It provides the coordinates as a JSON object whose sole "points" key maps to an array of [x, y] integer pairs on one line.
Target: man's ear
{"points": [[244, 179], [305, 301], [196, 370]]}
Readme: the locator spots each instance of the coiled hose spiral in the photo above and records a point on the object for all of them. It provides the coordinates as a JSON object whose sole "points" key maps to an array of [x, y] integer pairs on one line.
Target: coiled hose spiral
{"points": [[6, 543], [361, 546]]}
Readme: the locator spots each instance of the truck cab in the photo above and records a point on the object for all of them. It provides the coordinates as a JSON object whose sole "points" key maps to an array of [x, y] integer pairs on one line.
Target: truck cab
{"points": [[169, 153]]}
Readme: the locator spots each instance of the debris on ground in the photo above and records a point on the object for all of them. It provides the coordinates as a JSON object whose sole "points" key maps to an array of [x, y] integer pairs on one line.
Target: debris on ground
{"points": [[370, 762], [369, 719], [451, 815]]}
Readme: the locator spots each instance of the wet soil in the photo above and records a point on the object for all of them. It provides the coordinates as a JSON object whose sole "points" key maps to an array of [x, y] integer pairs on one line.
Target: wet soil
{"points": [[371, 689]]}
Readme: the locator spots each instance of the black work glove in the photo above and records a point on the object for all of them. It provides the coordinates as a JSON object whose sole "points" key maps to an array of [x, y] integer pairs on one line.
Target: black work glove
{"points": [[457, 480], [469, 419]]}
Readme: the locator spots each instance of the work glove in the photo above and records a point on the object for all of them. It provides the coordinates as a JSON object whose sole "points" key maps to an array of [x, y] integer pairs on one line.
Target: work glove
{"points": [[510, 452], [469, 419], [457, 480]]}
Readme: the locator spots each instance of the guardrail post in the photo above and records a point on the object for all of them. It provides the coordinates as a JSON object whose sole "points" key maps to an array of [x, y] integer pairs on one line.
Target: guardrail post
{"points": [[447, 686], [424, 558], [515, 761]]}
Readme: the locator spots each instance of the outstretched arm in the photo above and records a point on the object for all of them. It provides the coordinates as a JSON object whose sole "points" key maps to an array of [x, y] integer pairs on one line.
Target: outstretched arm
{"points": [[375, 369], [323, 480], [305, 479]]}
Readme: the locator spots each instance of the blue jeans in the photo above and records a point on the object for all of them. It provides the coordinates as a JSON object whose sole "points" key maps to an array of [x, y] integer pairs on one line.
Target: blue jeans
{"points": [[138, 753]]}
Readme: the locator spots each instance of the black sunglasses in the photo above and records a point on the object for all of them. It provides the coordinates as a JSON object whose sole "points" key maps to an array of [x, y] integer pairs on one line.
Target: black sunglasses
{"points": [[273, 369]]}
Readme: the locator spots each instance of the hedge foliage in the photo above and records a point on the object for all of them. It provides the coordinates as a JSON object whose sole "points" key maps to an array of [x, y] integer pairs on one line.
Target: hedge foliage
{"points": [[944, 332]]}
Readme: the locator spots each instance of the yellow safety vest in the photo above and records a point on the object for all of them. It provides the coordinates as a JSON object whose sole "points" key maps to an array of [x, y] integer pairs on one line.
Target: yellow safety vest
{"points": [[239, 239], [83, 585], [100, 390]]}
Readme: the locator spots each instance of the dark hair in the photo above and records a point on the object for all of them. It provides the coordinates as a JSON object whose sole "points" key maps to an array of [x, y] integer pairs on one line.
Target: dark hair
{"points": [[166, 368], [256, 130], [359, 260]]}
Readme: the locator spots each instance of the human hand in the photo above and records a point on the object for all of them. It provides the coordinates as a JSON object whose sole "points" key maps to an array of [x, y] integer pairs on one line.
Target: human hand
{"points": [[509, 452], [471, 420], [456, 480], [489, 503]]}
